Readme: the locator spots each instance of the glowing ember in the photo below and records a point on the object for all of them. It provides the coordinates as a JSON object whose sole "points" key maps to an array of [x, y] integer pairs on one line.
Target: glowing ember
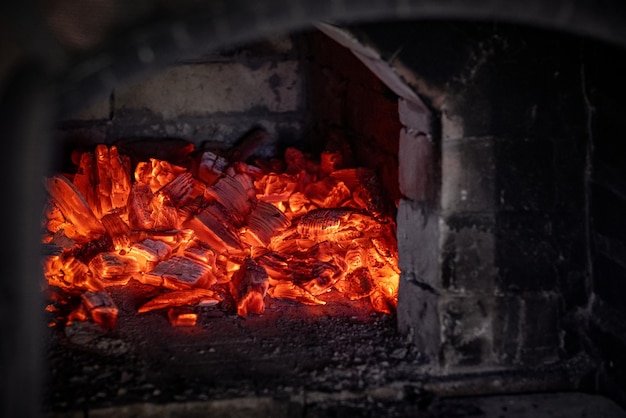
{"points": [[214, 230]]}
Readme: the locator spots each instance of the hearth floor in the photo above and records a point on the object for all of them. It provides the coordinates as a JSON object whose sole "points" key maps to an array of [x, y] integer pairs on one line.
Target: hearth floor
{"points": [[340, 359], [542, 405]]}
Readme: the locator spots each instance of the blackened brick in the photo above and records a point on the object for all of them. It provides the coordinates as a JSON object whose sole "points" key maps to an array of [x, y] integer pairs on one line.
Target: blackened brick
{"points": [[507, 329], [540, 335], [608, 210], [610, 282], [466, 331], [525, 175], [525, 252], [468, 255]]}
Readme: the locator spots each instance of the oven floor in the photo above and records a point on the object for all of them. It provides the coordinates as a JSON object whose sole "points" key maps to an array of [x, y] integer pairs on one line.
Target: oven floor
{"points": [[340, 359], [334, 347], [542, 405]]}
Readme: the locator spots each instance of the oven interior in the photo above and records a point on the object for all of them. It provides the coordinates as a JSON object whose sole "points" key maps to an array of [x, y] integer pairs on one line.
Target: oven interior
{"points": [[497, 146]]}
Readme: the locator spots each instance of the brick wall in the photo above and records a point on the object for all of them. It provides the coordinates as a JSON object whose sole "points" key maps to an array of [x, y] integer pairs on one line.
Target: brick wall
{"points": [[352, 104], [214, 99], [494, 267], [606, 87]]}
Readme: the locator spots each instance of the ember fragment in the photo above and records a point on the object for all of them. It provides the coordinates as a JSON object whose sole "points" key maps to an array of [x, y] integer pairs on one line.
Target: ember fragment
{"points": [[86, 179], [233, 197], [113, 269], [211, 167], [383, 303], [275, 188], [118, 230], [181, 298], [248, 287], [328, 193], [276, 265], [321, 277], [201, 253], [288, 290], [79, 275], [180, 190], [149, 252], [264, 221], [357, 284], [164, 213], [213, 227], [101, 307], [88, 250], [182, 317], [333, 224], [156, 173], [74, 207], [179, 273], [139, 207], [120, 178], [103, 177]]}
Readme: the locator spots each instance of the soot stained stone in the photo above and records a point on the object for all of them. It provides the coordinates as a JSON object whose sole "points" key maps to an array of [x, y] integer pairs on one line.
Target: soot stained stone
{"points": [[525, 179], [612, 352], [468, 258], [525, 252], [468, 175], [610, 283], [608, 210], [466, 330], [507, 329], [540, 328]]}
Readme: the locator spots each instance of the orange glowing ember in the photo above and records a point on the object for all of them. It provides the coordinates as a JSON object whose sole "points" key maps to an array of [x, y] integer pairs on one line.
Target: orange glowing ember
{"points": [[215, 229]]}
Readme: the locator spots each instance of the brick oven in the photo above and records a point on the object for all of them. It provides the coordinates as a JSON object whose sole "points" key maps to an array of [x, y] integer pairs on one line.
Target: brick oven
{"points": [[495, 145]]}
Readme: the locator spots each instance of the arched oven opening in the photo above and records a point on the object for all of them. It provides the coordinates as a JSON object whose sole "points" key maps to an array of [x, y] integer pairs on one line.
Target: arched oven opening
{"points": [[485, 145]]}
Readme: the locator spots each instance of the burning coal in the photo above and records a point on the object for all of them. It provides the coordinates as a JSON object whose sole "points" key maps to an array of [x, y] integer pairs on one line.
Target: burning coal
{"points": [[213, 229]]}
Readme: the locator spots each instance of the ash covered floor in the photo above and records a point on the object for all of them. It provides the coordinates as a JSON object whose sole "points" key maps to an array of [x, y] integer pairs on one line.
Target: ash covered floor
{"points": [[553, 405], [340, 359], [343, 345]]}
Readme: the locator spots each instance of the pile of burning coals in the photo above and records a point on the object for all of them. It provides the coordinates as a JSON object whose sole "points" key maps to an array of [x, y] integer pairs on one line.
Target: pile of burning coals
{"points": [[213, 228]]}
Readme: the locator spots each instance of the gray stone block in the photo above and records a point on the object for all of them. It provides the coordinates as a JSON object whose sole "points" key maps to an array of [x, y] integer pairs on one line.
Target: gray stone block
{"points": [[466, 331], [418, 317], [468, 255], [468, 176], [540, 328], [98, 111], [417, 175], [507, 329], [206, 89], [414, 116], [418, 243]]}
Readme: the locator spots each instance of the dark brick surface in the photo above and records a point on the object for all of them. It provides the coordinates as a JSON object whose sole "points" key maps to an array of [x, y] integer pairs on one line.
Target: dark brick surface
{"points": [[466, 330], [507, 329], [608, 211], [525, 178], [468, 175], [612, 373], [610, 281], [540, 332], [570, 237], [378, 120], [418, 317], [526, 254], [418, 169], [467, 255], [346, 95]]}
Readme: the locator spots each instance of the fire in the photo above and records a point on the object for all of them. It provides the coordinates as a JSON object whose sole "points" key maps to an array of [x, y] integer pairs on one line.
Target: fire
{"points": [[216, 229]]}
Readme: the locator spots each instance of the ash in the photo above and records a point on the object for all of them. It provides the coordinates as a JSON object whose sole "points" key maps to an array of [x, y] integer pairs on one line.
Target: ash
{"points": [[290, 350]]}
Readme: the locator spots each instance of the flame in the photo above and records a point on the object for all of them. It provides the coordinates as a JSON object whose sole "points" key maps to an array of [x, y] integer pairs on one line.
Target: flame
{"points": [[294, 230]]}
